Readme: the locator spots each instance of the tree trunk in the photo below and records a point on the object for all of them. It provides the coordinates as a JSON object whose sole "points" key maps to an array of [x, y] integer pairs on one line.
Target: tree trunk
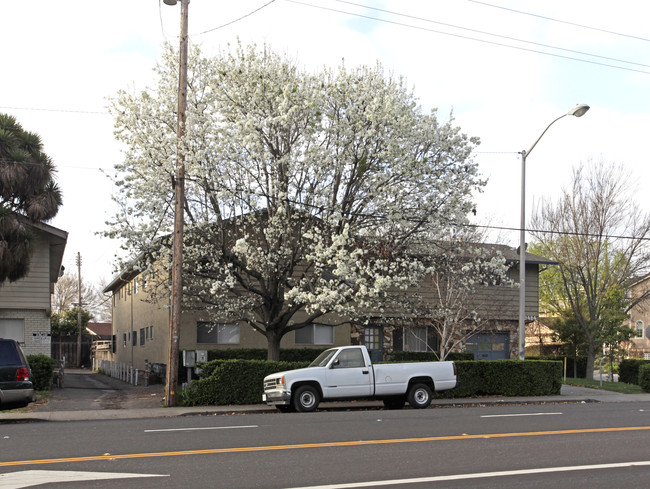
{"points": [[591, 358], [273, 340]]}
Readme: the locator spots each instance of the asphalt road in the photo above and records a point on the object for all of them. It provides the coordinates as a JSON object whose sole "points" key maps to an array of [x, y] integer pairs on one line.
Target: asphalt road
{"points": [[568, 445]]}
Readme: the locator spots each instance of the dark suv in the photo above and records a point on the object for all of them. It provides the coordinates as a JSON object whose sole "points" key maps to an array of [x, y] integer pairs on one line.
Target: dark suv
{"points": [[16, 390]]}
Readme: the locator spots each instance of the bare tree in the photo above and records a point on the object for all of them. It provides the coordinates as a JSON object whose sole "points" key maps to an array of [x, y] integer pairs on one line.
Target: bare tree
{"points": [[598, 235], [66, 295]]}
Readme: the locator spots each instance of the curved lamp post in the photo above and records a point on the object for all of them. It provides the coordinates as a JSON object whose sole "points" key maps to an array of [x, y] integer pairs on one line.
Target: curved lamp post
{"points": [[577, 111]]}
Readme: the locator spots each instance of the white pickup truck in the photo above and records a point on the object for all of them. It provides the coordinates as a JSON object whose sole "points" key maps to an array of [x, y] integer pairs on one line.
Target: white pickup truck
{"points": [[347, 373]]}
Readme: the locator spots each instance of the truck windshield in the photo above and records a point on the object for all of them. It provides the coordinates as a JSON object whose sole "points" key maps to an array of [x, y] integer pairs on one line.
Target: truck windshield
{"points": [[323, 358]]}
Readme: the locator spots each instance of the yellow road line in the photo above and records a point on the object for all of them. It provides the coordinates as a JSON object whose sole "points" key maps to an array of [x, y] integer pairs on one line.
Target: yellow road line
{"points": [[317, 445]]}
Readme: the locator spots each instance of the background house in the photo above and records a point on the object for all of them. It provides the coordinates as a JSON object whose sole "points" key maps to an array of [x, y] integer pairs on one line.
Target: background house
{"points": [[25, 305], [640, 320], [141, 327]]}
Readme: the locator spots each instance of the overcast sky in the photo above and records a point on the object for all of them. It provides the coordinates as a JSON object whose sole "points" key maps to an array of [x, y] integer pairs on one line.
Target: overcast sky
{"points": [[505, 68]]}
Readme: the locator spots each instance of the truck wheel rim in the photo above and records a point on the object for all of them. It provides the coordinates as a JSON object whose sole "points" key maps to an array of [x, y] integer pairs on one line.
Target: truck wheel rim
{"points": [[421, 396], [307, 399]]}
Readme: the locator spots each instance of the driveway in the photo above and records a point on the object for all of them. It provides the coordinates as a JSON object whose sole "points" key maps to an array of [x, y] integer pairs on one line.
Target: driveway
{"points": [[85, 390]]}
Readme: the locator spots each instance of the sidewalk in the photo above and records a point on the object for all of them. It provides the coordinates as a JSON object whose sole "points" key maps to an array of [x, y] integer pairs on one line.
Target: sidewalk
{"points": [[90, 396]]}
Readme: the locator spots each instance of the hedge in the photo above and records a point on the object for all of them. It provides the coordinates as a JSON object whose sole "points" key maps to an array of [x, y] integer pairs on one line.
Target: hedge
{"points": [[506, 378], [240, 381], [42, 367], [644, 377], [628, 370], [233, 382]]}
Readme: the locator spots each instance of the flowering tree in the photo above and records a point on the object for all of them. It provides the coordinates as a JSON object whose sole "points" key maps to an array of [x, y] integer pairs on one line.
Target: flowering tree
{"points": [[304, 192], [458, 277]]}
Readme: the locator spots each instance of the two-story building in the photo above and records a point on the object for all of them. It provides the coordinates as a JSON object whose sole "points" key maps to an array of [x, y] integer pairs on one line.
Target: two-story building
{"points": [[25, 305], [141, 326]]}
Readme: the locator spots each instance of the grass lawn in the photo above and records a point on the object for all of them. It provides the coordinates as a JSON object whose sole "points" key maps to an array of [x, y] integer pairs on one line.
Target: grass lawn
{"points": [[619, 387]]}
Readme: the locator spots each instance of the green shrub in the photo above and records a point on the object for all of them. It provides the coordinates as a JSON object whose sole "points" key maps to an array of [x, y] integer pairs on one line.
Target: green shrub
{"points": [[42, 367], [644, 377], [506, 378], [234, 382], [628, 370], [240, 381]]}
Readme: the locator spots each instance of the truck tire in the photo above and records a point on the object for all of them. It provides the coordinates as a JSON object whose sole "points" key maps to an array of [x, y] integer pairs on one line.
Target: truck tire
{"points": [[306, 399], [396, 402], [419, 396]]}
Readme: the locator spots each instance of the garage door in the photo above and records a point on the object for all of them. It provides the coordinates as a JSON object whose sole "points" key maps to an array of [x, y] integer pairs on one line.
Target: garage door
{"points": [[488, 346]]}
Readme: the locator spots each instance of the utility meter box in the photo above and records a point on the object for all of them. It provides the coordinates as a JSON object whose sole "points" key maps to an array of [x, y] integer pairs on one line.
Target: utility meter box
{"points": [[189, 358], [202, 356]]}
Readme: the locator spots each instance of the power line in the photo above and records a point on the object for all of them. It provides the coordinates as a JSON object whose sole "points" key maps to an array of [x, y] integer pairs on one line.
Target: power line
{"points": [[492, 34], [582, 26], [236, 20], [485, 41]]}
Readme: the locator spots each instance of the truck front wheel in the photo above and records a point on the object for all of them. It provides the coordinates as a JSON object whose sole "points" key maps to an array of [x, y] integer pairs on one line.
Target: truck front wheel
{"points": [[306, 399], [419, 396]]}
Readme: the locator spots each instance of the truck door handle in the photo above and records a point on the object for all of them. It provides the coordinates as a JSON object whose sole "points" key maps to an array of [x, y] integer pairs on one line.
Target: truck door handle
{"points": [[364, 372]]}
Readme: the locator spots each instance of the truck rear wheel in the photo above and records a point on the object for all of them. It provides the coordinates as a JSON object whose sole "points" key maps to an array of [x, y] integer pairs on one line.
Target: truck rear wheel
{"points": [[306, 399], [419, 396]]}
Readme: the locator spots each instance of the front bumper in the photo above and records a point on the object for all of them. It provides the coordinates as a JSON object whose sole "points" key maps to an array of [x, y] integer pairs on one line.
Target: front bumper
{"points": [[277, 397]]}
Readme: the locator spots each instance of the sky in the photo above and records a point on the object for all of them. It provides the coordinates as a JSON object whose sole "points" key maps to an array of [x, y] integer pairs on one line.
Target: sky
{"points": [[502, 69]]}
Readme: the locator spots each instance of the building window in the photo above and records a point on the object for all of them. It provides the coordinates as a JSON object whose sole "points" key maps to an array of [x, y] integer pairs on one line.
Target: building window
{"points": [[124, 340], [13, 329], [415, 338], [151, 332], [639, 329], [134, 336], [218, 333], [372, 337], [315, 334], [141, 336]]}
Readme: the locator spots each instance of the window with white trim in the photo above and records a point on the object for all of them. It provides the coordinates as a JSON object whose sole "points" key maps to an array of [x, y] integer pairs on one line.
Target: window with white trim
{"points": [[315, 334], [217, 333], [639, 329]]}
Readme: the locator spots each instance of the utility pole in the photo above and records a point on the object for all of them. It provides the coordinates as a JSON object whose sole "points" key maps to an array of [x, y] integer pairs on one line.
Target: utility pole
{"points": [[79, 326], [179, 194]]}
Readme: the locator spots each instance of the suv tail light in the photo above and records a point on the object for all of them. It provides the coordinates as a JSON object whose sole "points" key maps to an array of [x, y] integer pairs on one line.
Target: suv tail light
{"points": [[22, 374]]}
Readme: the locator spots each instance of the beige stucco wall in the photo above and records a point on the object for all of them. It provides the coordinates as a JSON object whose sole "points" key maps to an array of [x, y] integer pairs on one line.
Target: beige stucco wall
{"points": [[132, 312]]}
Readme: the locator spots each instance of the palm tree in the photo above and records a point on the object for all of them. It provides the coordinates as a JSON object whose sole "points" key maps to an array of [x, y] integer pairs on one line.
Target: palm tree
{"points": [[28, 194]]}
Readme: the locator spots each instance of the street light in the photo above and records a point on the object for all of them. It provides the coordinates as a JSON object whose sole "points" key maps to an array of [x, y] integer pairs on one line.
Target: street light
{"points": [[577, 111]]}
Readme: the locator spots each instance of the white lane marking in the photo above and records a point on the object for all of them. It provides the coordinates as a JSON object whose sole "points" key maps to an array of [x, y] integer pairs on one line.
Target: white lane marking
{"points": [[516, 415], [479, 475], [28, 478], [206, 428]]}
